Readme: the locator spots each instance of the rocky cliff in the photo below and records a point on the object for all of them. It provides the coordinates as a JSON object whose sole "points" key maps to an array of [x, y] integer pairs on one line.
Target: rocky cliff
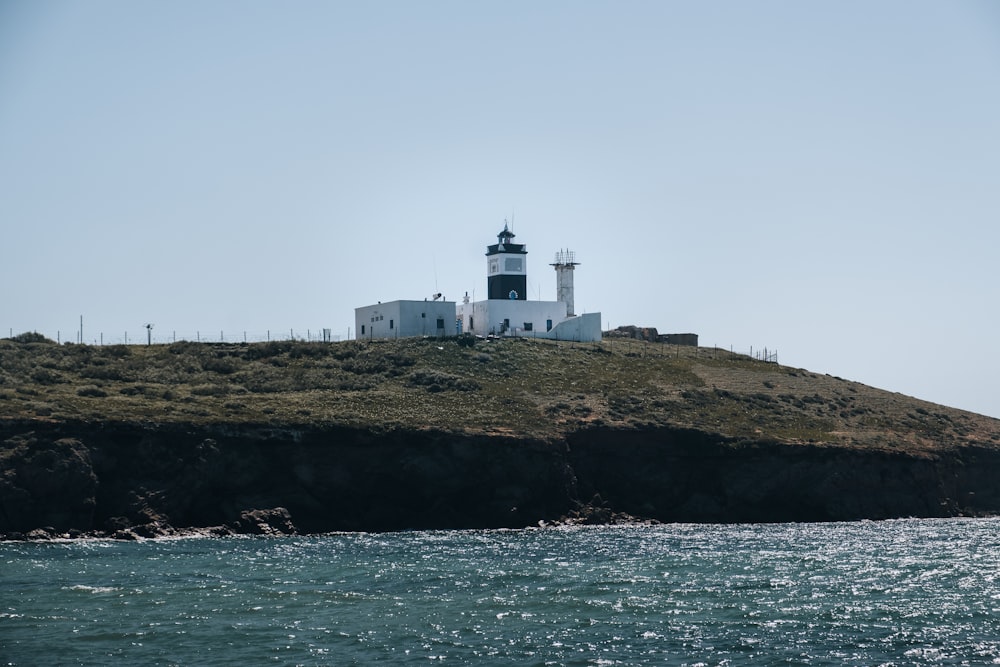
{"points": [[136, 441], [130, 479]]}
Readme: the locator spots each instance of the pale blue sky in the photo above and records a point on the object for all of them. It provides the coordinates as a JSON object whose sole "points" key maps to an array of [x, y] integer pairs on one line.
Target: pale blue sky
{"points": [[821, 178]]}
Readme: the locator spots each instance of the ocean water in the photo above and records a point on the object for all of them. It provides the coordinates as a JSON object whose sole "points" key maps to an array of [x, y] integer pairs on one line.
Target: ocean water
{"points": [[913, 592]]}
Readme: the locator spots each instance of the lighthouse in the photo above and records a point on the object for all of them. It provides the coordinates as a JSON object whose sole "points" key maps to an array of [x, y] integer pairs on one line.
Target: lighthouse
{"points": [[506, 268], [506, 311]]}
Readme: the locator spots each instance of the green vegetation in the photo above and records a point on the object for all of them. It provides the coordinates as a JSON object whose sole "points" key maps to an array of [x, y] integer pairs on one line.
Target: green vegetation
{"points": [[519, 386]]}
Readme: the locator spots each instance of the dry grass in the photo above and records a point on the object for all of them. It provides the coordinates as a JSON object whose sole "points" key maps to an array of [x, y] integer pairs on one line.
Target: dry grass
{"points": [[523, 386]]}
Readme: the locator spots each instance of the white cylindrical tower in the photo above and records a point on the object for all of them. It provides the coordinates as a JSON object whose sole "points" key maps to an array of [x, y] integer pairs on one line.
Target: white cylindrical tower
{"points": [[564, 265]]}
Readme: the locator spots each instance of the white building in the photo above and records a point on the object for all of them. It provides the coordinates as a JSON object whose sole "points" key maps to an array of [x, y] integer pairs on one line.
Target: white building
{"points": [[401, 319], [506, 311]]}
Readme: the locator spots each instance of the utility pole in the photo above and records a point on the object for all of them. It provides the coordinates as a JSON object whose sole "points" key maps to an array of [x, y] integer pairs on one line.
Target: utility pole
{"points": [[149, 335]]}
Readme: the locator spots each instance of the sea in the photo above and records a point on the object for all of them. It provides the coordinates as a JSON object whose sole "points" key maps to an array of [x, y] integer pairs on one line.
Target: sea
{"points": [[906, 592]]}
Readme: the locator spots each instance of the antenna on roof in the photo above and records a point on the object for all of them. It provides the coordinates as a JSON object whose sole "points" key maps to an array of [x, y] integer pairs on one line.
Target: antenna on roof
{"points": [[511, 218]]}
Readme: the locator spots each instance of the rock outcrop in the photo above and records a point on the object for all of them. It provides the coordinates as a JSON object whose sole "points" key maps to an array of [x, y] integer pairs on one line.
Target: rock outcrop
{"points": [[133, 481], [46, 482], [275, 521]]}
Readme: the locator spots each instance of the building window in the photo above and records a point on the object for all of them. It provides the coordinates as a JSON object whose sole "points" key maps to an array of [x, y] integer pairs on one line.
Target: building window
{"points": [[528, 326], [423, 314], [440, 323], [472, 324], [362, 330], [391, 322], [548, 325]]}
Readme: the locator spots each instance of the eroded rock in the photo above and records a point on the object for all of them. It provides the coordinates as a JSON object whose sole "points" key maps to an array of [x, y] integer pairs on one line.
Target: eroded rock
{"points": [[275, 521]]}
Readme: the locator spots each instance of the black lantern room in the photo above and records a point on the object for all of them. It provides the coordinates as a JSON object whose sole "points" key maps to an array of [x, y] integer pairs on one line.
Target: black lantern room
{"points": [[506, 262]]}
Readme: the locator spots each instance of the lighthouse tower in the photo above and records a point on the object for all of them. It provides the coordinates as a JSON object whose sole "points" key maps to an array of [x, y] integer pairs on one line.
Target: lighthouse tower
{"points": [[507, 311], [564, 265], [507, 275]]}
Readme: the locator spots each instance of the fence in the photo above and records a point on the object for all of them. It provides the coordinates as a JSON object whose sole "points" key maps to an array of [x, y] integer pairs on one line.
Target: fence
{"points": [[622, 345], [153, 336], [641, 348]]}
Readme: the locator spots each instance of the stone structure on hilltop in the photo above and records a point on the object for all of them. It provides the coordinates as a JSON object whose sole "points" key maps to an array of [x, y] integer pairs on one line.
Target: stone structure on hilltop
{"points": [[652, 335]]}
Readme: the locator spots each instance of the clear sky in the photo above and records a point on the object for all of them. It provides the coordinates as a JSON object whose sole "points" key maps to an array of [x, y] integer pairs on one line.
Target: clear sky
{"points": [[820, 178]]}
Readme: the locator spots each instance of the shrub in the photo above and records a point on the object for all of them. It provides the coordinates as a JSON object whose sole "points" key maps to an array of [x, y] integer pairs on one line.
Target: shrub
{"points": [[99, 372], [355, 384], [625, 405], [311, 350], [210, 390], [91, 391], [267, 350], [438, 381], [401, 360], [31, 337], [221, 365], [344, 351], [117, 351], [365, 365], [185, 347], [139, 390], [46, 377]]}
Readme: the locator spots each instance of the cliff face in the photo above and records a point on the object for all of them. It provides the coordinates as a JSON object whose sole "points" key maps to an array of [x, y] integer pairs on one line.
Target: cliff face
{"points": [[337, 479], [105, 477], [692, 476]]}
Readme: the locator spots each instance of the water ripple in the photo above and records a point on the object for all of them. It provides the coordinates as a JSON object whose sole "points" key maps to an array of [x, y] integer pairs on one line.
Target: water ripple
{"points": [[919, 592]]}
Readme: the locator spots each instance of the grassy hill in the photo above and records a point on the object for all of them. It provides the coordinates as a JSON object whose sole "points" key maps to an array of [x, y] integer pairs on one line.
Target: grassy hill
{"points": [[511, 386]]}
